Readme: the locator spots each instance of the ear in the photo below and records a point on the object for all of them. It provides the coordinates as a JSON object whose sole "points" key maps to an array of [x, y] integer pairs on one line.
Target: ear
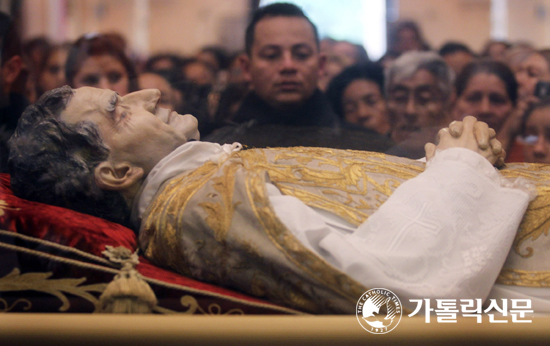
{"points": [[245, 63], [117, 176], [11, 69]]}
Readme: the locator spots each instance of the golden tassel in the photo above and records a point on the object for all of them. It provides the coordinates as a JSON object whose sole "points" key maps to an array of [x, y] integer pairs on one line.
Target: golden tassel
{"points": [[128, 293]]}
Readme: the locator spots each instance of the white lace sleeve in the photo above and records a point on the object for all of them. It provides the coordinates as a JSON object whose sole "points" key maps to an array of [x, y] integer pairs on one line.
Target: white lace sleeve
{"points": [[443, 234]]}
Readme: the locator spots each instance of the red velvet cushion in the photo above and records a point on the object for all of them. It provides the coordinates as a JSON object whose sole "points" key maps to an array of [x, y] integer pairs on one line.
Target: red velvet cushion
{"points": [[91, 234], [59, 225]]}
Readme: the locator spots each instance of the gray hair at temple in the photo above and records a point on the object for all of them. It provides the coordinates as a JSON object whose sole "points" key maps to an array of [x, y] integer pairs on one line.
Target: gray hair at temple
{"points": [[409, 63], [53, 162]]}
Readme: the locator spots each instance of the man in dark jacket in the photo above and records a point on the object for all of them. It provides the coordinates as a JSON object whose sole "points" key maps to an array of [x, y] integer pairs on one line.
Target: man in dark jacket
{"points": [[285, 107]]}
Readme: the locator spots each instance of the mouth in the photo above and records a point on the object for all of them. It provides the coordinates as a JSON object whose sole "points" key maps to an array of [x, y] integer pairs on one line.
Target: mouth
{"points": [[164, 115], [288, 86], [409, 128]]}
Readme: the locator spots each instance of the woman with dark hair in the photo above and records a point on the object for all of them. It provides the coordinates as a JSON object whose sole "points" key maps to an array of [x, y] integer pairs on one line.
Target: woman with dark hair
{"points": [[51, 71], [535, 67], [536, 133], [488, 90], [98, 61], [356, 96], [405, 36]]}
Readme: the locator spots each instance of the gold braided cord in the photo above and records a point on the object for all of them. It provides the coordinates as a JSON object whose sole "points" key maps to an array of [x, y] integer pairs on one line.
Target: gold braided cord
{"points": [[150, 280], [58, 246], [524, 278]]}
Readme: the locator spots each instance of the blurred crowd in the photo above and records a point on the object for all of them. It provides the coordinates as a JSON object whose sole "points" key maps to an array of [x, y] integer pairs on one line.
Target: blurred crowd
{"points": [[289, 87]]}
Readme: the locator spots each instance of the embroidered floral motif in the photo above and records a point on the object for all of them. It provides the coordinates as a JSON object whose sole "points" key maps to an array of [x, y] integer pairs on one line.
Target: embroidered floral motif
{"points": [[41, 282], [536, 221]]}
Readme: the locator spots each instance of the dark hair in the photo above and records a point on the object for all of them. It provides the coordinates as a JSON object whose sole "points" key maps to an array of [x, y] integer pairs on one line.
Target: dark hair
{"points": [[497, 68], [454, 47], [275, 10], [174, 59], [220, 54], [95, 45], [397, 27], [368, 71], [10, 38], [53, 162], [39, 44], [490, 43], [44, 63]]}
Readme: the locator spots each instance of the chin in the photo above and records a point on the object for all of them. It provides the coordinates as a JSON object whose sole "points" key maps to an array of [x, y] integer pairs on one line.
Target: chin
{"points": [[290, 100]]}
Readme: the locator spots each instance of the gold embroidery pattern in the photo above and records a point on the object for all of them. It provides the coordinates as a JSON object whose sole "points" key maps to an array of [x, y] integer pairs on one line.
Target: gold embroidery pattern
{"points": [[536, 221], [524, 278], [346, 177], [4, 206], [15, 281], [293, 249], [220, 213], [193, 306], [8, 308], [162, 231], [188, 229]]}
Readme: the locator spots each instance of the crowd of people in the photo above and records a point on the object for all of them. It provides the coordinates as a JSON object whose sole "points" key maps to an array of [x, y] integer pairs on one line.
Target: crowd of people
{"points": [[288, 87], [309, 227]]}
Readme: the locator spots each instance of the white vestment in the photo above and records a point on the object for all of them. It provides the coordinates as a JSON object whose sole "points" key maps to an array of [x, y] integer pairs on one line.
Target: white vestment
{"points": [[443, 234]]}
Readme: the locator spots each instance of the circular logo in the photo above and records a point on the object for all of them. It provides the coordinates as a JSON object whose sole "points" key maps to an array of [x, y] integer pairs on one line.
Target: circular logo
{"points": [[370, 316]]}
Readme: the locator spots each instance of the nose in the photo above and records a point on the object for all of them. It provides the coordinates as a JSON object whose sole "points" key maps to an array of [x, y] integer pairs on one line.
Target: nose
{"points": [[410, 110], [363, 111], [288, 63], [147, 99], [485, 105], [540, 149], [521, 78], [104, 83]]}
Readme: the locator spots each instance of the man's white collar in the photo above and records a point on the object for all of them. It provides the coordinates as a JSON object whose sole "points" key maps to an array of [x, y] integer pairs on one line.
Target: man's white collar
{"points": [[188, 156]]}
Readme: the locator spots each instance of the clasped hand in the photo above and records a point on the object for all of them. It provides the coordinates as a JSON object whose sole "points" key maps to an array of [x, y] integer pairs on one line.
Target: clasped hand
{"points": [[470, 134]]}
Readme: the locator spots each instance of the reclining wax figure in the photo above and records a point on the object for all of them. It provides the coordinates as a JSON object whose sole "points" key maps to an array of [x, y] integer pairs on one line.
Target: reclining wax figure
{"points": [[303, 227]]}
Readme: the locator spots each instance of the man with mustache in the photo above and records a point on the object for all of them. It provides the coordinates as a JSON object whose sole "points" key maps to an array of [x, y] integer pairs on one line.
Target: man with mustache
{"points": [[285, 107]]}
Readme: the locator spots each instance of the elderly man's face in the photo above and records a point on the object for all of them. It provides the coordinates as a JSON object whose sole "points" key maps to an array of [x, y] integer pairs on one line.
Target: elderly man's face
{"points": [[133, 127], [415, 103], [285, 62]]}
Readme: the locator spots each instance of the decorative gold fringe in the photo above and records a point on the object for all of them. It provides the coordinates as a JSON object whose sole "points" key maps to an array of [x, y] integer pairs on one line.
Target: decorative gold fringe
{"points": [[128, 293]]}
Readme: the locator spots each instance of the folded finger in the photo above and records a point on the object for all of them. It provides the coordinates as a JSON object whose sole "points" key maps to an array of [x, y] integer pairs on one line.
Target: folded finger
{"points": [[468, 123], [496, 146], [442, 134], [481, 133], [455, 128]]}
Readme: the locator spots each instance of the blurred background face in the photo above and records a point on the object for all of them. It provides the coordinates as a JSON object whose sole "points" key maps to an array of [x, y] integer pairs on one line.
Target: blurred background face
{"points": [[53, 75], [407, 40], [529, 72], [199, 73], [415, 103], [154, 81], [485, 97], [105, 72], [537, 133], [364, 105], [496, 51]]}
